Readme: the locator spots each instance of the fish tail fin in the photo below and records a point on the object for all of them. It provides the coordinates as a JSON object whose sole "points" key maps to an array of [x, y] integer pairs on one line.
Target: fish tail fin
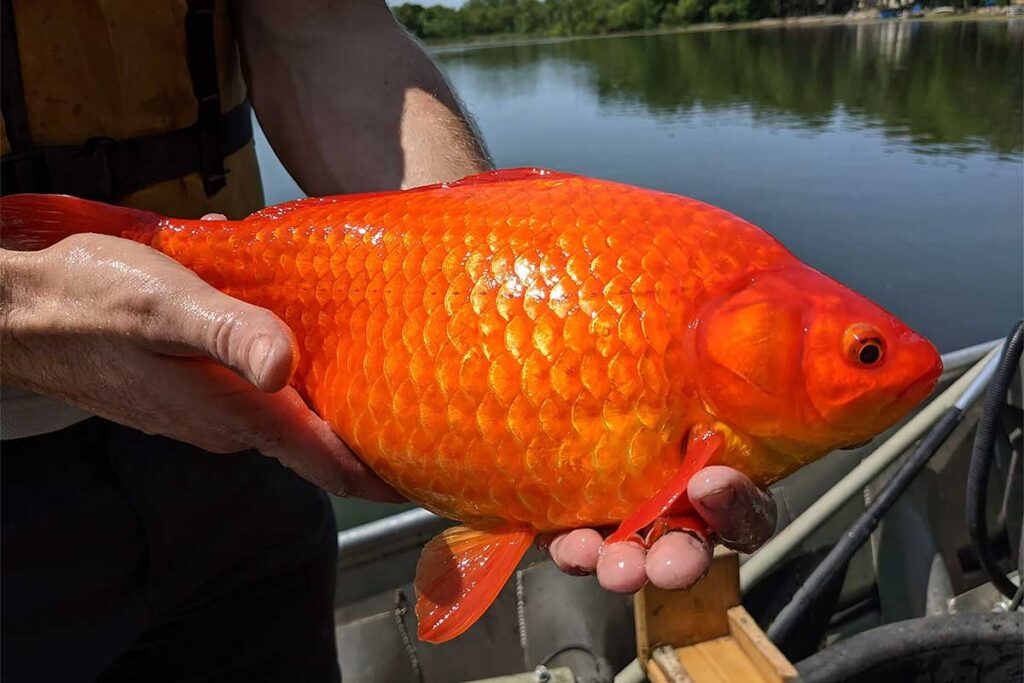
{"points": [[37, 221], [461, 572]]}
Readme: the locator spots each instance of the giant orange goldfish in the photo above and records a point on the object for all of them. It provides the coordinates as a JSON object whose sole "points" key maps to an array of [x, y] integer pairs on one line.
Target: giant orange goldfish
{"points": [[527, 351]]}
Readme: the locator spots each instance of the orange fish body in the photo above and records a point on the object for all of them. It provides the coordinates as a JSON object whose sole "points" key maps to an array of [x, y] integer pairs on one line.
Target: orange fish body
{"points": [[530, 351]]}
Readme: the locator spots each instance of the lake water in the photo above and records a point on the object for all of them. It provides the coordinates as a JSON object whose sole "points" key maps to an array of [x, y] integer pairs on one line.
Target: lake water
{"points": [[889, 155]]}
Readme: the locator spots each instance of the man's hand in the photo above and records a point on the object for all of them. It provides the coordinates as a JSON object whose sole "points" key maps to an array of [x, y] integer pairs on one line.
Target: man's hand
{"points": [[126, 333], [741, 516]]}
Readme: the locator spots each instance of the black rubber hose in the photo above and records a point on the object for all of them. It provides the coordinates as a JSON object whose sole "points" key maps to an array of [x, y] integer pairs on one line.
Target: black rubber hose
{"points": [[966, 648], [981, 460], [836, 561]]}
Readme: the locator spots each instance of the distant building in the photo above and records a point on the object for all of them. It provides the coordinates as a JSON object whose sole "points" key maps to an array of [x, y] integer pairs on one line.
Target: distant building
{"points": [[880, 4]]}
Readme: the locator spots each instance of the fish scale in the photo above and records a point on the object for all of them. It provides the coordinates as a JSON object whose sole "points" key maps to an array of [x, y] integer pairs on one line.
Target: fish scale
{"points": [[529, 351], [487, 362]]}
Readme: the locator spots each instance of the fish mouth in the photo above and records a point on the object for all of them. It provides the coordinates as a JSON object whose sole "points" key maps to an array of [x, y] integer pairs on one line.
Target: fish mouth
{"points": [[919, 389], [929, 362], [904, 401]]}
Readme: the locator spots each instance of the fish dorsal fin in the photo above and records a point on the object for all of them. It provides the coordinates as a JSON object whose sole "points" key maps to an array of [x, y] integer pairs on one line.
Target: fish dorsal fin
{"points": [[461, 572], [505, 175], [279, 210], [671, 498]]}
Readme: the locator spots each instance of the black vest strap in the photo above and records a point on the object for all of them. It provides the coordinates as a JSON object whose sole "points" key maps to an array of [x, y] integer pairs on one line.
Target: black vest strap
{"points": [[107, 169], [12, 100], [202, 67], [12, 96]]}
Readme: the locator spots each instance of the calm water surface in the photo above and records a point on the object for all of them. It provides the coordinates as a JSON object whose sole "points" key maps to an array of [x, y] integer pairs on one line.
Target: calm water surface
{"points": [[887, 155]]}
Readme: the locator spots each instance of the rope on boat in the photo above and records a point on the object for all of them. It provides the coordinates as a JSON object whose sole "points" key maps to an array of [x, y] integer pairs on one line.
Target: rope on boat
{"points": [[398, 613]]}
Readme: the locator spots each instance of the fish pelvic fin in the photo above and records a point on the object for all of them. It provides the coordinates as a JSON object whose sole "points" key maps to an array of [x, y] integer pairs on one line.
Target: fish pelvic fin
{"points": [[36, 221], [671, 500], [461, 572]]}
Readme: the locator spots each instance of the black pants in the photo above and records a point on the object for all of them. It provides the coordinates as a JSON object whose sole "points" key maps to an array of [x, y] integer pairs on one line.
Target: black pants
{"points": [[128, 557]]}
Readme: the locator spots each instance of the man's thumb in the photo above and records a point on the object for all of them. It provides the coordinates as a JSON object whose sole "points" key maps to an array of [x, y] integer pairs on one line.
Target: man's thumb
{"points": [[251, 341]]}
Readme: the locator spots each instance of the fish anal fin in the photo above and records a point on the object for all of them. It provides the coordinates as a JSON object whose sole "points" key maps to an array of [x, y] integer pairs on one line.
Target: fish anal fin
{"points": [[461, 572], [671, 498]]}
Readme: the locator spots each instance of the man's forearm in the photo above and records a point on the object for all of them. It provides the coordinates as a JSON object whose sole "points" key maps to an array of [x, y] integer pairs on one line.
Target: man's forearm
{"points": [[349, 101], [17, 282]]}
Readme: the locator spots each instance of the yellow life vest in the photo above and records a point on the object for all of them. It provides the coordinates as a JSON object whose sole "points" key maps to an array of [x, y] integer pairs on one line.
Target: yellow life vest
{"points": [[137, 90]]}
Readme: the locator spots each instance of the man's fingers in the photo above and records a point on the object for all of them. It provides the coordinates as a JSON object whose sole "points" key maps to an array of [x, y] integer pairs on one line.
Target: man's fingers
{"points": [[308, 446], [740, 514], [225, 410], [678, 560], [675, 562], [621, 567], [576, 552], [150, 296]]}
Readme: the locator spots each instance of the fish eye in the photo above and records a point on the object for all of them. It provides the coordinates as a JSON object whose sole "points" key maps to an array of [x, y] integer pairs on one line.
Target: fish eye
{"points": [[870, 353], [864, 345]]}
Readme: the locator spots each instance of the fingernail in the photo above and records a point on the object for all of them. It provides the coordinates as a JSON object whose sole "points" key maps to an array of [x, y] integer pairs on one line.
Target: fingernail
{"points": [[703, 574], [632, 539], [636, 539], [547, 544], [720, 499], [259, 354], [694, 539]]}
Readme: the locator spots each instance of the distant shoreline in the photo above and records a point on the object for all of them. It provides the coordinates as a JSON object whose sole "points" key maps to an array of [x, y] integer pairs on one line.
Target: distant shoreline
{"points": [[507, 40]]}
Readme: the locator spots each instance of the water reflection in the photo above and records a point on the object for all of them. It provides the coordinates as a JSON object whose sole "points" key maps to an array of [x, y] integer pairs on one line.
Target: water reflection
{"points": [[954, 86]]}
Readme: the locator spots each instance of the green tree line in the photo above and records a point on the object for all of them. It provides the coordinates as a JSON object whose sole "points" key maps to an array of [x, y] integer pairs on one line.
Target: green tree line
{"points": [[557, 18], [957, 85]]}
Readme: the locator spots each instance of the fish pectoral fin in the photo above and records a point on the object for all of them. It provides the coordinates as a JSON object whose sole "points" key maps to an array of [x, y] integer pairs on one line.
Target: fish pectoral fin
{"points": [[671, 499], [687, 521], [461, 572]]}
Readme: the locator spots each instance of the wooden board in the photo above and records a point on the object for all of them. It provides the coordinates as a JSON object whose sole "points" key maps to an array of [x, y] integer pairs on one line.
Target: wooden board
{"points": [[762, 652], [719, 660], [665, 666], [704, 635], [686, 617], [655, 675]]}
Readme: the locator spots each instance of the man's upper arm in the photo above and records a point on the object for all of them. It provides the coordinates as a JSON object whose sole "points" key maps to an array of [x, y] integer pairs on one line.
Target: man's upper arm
{"points": [[349, 100]]}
